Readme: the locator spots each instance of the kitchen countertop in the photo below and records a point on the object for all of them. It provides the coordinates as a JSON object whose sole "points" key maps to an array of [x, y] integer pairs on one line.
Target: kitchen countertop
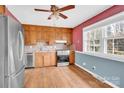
{"points": [[47, 51]]}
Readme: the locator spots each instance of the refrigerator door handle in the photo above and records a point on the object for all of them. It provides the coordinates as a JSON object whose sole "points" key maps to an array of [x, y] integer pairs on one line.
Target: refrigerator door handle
{"points": [[21, 51]]}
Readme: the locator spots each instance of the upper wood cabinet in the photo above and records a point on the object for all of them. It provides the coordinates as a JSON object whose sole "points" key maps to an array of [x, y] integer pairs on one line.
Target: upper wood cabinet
{"points": [[38, 36], [33, 37], [2, 9], [26, 27], [27, 37], [34, 34], [69, 37], [52, 37]]}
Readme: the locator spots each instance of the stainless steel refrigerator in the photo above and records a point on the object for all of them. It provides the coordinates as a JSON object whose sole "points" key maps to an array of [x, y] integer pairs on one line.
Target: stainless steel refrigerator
{"points": [[11, 53]]}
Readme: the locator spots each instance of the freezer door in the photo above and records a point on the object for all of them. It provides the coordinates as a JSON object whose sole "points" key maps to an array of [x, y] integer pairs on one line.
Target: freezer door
{"points": [[2, 50], [17, 80], [15, 46]]}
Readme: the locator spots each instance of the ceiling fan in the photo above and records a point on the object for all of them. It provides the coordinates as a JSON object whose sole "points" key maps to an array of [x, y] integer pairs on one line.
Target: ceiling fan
{"points": [[56, 11]]}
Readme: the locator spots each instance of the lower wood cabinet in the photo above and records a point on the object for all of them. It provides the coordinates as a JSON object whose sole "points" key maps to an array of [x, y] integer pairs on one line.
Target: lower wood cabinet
{"points": [[72, 57], [45, 59], [49, 58], [53, 58], [39, 60]]}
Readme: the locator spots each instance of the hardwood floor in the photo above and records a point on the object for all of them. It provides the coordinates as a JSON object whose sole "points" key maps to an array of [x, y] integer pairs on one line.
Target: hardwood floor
{"points": [[60, 77]]}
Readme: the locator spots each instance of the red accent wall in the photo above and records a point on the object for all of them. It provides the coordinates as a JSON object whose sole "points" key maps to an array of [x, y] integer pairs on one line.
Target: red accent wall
{"points": [[77, 38], [77, 31]]}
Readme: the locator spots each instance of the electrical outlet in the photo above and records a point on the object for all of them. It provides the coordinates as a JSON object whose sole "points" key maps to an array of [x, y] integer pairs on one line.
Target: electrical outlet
{"points": [[84, 64], [94, 67]]}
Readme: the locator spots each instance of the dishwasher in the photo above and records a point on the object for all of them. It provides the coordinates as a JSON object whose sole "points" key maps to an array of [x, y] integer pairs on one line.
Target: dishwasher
{"points": [[29, 60]]}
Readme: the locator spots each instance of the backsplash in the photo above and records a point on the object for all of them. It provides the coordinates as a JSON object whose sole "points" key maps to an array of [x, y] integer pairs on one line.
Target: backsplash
{"points": [[42, 46]]}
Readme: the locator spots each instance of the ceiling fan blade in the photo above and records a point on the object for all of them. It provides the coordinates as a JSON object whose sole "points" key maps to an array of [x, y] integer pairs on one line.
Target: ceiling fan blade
{"points": [[50, 16], [67, 8], [63, 16], [42, 10]]}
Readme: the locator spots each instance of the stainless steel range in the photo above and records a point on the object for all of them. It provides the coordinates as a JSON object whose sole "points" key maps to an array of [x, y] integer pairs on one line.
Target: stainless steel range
{"points": [[63, 57], [62, 52]]}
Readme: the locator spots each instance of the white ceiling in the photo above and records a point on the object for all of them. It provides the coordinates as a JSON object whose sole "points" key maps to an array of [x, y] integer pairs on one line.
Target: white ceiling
{"points": [[26, 14]]}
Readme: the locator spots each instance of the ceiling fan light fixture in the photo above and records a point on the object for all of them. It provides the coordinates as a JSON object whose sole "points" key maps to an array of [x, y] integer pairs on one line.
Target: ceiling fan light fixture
{"points": [[54, 17]]}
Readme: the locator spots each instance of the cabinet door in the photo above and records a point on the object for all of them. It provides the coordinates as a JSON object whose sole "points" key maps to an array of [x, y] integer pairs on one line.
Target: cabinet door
{"points": [[69, 37], [39, 36], [47, 59], [47, 36], [43, 35], [33, 37], [38, 59], [2, 9], [58, 34], [72, 57], [27, 37], [64, 34], [52, 37], [53, 59]]}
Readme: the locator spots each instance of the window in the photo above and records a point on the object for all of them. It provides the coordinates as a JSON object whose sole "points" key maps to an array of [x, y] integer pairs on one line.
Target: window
{"points": [[119, 46], [115, 38], [94, 38], [110, 46], [107, 39]]}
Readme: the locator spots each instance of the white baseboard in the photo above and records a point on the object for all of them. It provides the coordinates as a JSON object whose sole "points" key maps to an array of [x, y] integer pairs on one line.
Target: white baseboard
{"points": [[98, 77]]}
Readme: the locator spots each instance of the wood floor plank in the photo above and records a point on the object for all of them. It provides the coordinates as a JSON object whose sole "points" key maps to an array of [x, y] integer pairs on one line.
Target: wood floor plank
{"points": [[60, 77], [77, 80]]}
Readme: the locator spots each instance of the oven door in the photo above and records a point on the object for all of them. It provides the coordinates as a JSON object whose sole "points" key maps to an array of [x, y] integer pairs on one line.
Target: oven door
{"points": [[62, 58]]}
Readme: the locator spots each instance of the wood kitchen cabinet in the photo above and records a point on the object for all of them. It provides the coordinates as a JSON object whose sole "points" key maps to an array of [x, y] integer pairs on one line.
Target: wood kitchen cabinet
{"points": [[69, 37], [53, 58], [43, 59], [52, 37], [50, 58], [71, 57], [2, 9], [43, 35], [34, 34], [27, 37], [33, 37], [39, 36], [47, 59], [39, 61]]}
